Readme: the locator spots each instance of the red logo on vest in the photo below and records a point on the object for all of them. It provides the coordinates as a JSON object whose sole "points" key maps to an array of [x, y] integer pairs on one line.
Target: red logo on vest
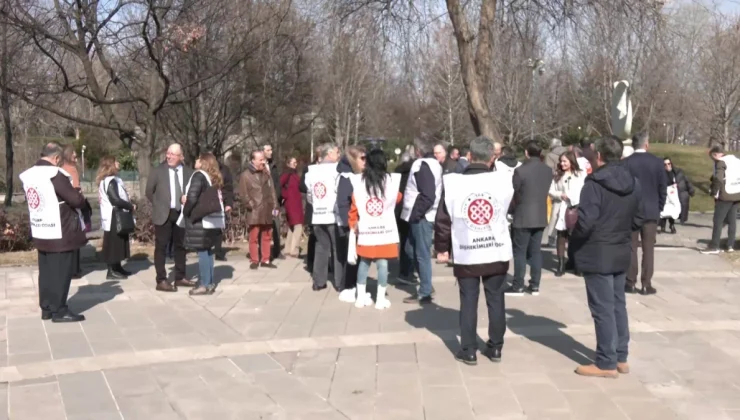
{"points": [[480, 211], [374, 206], [33, 198], [319, 190]]}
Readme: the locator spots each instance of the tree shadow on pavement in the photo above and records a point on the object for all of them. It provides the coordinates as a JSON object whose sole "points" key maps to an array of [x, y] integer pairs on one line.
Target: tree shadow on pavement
{"points": [[549, 333], [91, 295]]}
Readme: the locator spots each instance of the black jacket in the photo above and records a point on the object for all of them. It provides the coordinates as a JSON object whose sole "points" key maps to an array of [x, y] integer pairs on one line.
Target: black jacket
{"points": [[275, 174], [115, 199], [196, 236], [228, 190], [684, 185], [650, 173], [344, 193], [608, 213], [443, 236], [427, 193], [404, 169], [531, 187]]}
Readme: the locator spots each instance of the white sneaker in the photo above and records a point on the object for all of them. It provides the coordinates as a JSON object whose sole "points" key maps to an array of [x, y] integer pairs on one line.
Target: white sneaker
{"points": [[363, 298], [348, 295], [382, 302]]}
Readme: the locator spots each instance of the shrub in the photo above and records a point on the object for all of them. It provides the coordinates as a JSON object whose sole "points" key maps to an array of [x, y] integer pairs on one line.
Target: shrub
{"points": [[15, 231], [144, 232]]}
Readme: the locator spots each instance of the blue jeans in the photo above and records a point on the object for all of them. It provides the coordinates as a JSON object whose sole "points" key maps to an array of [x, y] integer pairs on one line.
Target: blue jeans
{"points": [[205, 266], [420, 246], [606, 301], [364, 266]]}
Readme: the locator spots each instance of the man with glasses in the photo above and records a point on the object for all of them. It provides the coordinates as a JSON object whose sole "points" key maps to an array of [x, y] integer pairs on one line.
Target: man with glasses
{"points": [[164, 189]]}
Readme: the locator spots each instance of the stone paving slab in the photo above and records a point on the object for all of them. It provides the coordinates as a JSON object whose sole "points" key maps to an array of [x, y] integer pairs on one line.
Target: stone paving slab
{"points": [[267, 347]]}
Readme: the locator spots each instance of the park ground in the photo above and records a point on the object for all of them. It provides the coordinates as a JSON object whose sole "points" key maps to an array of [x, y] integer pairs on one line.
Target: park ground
{"points": [[265, 346]]}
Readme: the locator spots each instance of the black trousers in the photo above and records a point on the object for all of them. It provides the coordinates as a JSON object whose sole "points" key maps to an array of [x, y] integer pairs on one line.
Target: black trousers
{"points": [[405, 261], [493, 287], [685, 200], [162, 235], [349, 274], [76, 266], [527, 244], [55, 276], [605, 293], [275, 253], [724, 212]]}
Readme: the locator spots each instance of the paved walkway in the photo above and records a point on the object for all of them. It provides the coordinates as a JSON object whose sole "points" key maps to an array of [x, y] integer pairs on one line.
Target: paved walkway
{"points": [[267, 347]]}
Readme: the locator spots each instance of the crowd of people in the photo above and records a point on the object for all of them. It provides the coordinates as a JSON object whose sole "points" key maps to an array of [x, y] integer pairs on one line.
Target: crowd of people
{"points": [[475, 208]]}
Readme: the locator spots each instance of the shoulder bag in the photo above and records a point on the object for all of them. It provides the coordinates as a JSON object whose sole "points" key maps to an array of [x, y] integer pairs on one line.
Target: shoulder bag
{"points": [[124, 222]]}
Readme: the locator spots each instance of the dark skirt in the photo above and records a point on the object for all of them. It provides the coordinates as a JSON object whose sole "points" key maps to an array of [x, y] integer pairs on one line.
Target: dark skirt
{"points": [[116, 248]]}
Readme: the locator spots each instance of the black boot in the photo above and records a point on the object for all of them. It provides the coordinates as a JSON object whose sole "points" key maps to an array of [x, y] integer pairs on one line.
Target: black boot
{"points": [[118, 268], [113, 274], [561, 267]]}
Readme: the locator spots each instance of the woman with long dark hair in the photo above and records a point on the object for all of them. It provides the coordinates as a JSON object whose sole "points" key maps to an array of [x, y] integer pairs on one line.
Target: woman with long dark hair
{"points": [[372, 217], [113, 195], [565, 192], [684, 191], [289, 187]]}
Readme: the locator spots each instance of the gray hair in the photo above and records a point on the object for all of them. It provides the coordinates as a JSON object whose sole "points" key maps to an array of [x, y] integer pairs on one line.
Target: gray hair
{"points": [[555, 142], [481, 149], [639, 140], [325, 148], [53, 149]]}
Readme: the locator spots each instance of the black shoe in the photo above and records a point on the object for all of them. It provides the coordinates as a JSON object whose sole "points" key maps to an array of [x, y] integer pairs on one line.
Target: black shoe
{"points": [[577, 272], [46, 315], [220, 257], [119, 269], [673, 230], [67, 316], [254, 266], [514, 291], [534, 291], [492, 353], [570, 266], [648, 290], [630, 289], [76, 276], [561, 267], [268, 265], [418, 300], [114, 275], [469, 359], [316, 287]]}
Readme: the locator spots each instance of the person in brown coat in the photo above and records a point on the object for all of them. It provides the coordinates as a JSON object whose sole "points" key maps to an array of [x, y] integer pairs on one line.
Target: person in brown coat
{"points": [[56, 228], [258, 197]]}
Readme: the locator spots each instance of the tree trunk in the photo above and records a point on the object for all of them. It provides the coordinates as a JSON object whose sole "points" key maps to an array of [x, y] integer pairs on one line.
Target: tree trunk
{"points": [[5, 104], [476, 66]]}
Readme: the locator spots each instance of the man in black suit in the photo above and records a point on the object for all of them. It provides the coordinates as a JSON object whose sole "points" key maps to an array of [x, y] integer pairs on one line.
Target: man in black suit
{"points": [[531, 185], [651, 175]]}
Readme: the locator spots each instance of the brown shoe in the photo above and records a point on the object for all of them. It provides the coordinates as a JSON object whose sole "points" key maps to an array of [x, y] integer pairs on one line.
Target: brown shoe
{"points": [[593, 370], [164, 286], [623, 368], [185, 283]]}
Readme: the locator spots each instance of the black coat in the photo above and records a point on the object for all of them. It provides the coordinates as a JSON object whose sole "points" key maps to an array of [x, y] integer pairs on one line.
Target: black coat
{"points": [[196, 236], [275, 174], [344, 192], [650, 173], [531, 187], [684, 185], [443, 236], [427, 193], [608, 213]]}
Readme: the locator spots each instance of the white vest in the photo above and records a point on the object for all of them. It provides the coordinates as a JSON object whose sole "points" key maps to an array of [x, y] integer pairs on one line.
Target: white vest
{"points": [[377, 218], [106, 208], [412, 190], [321, 183], [477, 205], [43, 205], [213, 220], [732, 174]]}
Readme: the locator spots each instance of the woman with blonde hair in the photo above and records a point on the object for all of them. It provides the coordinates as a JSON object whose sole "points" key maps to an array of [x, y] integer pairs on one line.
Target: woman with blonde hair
{"points": [[203, 217], [113, 200], [353, 162]]}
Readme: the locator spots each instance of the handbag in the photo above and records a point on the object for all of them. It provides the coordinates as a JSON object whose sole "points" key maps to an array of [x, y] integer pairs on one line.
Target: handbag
{"points": [[124, 222], [209, 202], [571, 217]]}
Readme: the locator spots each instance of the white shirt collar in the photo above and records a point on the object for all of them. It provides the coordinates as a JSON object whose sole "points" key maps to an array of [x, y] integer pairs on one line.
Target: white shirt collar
{"points": [[640, 151]]}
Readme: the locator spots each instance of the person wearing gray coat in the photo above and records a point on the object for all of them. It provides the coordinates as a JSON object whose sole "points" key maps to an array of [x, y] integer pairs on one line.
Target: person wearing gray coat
{"points": [[531, 186], [164, 189]]}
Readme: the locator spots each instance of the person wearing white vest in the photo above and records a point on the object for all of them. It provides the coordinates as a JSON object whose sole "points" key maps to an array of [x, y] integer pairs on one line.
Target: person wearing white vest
{"points": [[372, 216], [56, 228], [725, 189], [471, 225], [203, 218], [353, 162], [112, 195], [420, 201], [321, 181]]}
